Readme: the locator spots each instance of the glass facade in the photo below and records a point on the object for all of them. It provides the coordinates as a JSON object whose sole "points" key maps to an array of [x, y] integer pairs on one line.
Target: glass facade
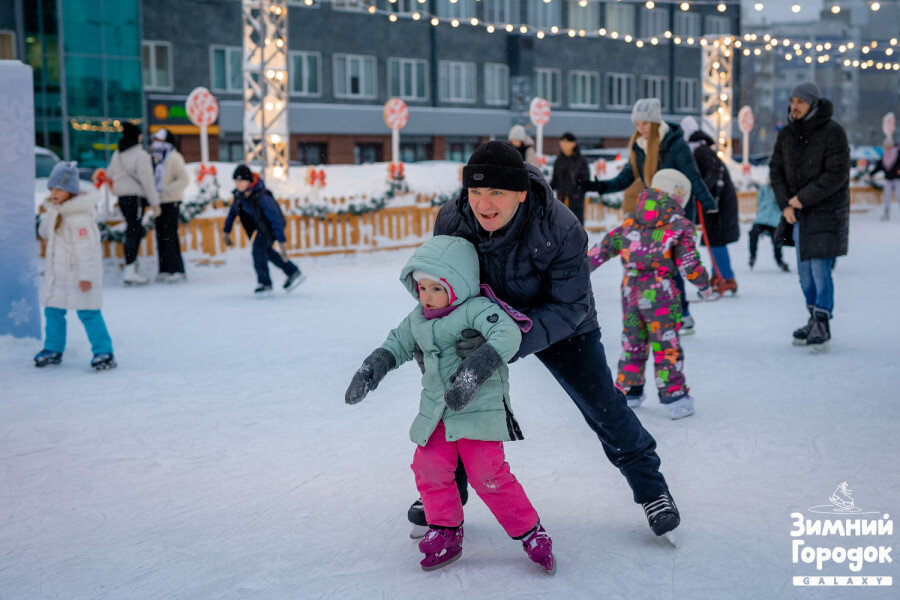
{"points": [[98, 56]]}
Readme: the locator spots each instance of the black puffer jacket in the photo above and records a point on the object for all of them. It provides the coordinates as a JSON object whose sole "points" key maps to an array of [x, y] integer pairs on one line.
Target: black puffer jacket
{"points": [[570, 174], [537, 263], [721, 227], [811, 160]]}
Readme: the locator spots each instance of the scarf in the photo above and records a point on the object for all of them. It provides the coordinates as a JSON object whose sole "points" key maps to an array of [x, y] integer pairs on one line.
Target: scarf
{"points": [[160, 152]]}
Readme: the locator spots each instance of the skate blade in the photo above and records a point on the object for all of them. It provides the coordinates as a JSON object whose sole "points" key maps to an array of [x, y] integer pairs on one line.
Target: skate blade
{"points": [[799, 342], [684, 332], [418, 532], [444, 563], [818, 348]]}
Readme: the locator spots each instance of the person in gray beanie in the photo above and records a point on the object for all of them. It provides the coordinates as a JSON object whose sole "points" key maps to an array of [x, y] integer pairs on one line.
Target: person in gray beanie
{"points": [[810, 173]]}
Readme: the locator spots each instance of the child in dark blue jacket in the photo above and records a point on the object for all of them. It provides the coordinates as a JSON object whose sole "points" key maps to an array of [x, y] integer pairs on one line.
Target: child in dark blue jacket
{"points": [[260, 213]]}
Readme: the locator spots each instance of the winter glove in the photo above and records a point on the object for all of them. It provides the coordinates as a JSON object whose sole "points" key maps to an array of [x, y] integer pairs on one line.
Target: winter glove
{"points": [[471, 339], [229, 242], [594, 185], [369, 375], [471, 375], [419, 356]]}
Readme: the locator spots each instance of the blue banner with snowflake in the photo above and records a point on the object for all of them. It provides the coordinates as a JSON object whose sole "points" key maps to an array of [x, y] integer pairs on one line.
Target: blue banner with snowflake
{"points": [[19, 304]]}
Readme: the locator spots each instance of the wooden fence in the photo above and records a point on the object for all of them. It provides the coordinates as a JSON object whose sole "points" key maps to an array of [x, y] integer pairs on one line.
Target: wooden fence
{"points": [[398, 227]]}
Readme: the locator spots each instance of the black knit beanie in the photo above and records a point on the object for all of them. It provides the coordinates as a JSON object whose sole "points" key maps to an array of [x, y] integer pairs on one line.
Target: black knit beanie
{"points": [[496, 165], [130, 135], [242, 173]]}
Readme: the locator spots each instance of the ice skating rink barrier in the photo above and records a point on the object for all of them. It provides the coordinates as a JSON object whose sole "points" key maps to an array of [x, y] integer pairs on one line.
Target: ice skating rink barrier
{"points": [[388, 228]]}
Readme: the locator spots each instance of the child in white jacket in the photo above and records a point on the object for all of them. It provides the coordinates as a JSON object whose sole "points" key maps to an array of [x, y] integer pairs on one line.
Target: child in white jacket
{"points": [[74, 269]]}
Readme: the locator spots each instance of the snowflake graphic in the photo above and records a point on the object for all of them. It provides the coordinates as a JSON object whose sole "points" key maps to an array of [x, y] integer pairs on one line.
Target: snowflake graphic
{"points": [[19, 312]]}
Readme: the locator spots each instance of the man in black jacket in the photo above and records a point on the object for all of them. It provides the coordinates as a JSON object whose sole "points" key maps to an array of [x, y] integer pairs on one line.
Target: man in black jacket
{"points": [[533, 254], [810, 173]]}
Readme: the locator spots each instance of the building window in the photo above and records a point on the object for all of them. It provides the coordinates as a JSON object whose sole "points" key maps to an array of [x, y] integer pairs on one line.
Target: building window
{"points": [[460, 150], [355, 5], [156, 65], [542, 14], [457, 81], [496, 84], [404, 7], [354, 76], [686, 94], [7, 45], [656, 86], [584, 17], [687, 24], [583, 91], [227, 64], [620, 18], [619, 90], [312, 153], [305, 75], [231, 151], [408, 78], [717, 25], [654, 22], [547, 85], [461, 9], [500, 11], [412, 151], [369, 152]]}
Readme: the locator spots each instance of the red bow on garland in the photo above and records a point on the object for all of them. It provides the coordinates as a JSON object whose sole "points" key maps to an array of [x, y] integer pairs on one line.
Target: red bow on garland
{"points": [[396, 171], [204, 171], [314, 176], [100, 177]]}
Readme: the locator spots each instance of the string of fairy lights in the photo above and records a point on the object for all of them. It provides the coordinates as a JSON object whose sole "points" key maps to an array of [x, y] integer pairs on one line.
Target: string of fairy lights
{"points": [[876, 55]]}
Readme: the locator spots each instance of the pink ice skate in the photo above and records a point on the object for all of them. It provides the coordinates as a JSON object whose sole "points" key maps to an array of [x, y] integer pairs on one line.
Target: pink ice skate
{"points": [[539, 547], [441, 546]]}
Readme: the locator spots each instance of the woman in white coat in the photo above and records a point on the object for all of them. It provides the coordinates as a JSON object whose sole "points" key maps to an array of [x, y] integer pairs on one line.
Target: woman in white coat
{"points": [[171, 180], [73, 278]]}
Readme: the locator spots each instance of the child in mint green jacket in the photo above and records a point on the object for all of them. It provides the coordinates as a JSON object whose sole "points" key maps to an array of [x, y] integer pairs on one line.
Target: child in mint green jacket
{"points": [[464, 410]]}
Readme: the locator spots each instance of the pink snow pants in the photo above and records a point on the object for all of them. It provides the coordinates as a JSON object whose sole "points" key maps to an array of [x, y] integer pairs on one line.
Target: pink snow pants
{"points": [[434, 465]]}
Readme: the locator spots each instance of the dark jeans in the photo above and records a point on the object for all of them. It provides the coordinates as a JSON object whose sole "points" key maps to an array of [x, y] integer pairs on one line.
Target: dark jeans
{"points": [[262, 255], [759, 229], [132, 208], [169, 247], [579, 365], [815, 278], [576, 205]]}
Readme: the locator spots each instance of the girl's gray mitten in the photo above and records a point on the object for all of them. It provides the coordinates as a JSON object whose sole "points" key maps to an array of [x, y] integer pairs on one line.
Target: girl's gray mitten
{"points": [[369, 375], [471, 375]]}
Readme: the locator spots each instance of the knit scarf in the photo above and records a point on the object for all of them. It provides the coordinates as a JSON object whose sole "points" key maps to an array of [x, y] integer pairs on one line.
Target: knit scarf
{"points": [[160, 151]]}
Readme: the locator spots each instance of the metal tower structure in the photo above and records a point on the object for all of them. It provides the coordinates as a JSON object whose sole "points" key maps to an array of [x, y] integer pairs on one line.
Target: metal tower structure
{"points": [[265, 72], [717, 91]]}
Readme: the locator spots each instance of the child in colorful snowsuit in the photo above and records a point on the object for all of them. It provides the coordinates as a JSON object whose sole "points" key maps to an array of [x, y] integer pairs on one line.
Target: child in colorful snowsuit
{"points": [[654, 243], [73, 276], [464, 411]]}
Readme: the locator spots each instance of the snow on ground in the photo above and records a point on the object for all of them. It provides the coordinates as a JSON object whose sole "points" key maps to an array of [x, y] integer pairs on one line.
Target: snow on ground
{"points": [[220, 461]]}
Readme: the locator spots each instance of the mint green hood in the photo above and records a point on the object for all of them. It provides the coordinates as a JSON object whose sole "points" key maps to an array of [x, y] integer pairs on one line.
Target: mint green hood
{"points": [[453, 259]]}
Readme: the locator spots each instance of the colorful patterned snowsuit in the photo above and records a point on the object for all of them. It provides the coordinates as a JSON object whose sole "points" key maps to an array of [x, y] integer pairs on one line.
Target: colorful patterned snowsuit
{"points": [[654, 243]]}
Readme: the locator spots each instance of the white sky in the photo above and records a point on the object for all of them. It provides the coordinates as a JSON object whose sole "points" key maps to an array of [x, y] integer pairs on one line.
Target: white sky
{"points": [[779, 11]]}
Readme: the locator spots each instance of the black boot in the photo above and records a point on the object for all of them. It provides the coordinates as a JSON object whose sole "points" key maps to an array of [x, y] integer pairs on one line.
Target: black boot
{"points": [[801, 334], [820, 333], [662, 514]]}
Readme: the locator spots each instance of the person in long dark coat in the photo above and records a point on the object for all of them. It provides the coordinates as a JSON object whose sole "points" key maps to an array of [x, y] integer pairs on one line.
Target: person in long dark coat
{"points": [[810, 173], [570, 174], [722, 227]]}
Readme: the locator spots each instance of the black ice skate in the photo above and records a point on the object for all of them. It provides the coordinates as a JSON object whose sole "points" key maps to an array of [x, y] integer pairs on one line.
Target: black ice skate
{"points": [[820, 332], [103, 362], [662, 515], [801, 334], [46, 358]]}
